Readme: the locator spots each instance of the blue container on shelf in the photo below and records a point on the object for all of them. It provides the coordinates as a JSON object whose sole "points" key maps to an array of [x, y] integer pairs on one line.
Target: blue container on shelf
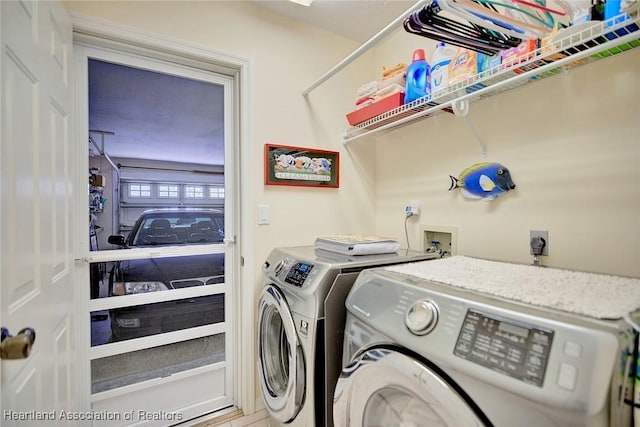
{"points": [[418, 78], [613, 16]]}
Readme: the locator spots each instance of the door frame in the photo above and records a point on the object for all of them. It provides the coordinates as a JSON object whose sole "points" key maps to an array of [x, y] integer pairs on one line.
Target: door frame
{"points": [[107, 34]]}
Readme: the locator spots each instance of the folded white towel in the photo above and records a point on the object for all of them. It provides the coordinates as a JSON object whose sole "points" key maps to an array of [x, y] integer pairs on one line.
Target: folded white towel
{"points": [[357, 244], [389, 90], [367, 89]]}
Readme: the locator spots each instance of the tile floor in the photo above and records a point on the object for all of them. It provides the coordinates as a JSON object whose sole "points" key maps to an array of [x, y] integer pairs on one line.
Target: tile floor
{"points": [[259, 419]]}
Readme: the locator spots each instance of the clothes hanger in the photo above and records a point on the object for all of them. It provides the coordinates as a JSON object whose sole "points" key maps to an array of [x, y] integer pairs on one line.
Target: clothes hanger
{"points": [[481, 16], [451, 38], [427, 22], [528, 13], [534, 12], [504, 21], [489, 5], [431, 14], [541, 7], [429, 17], [575, 9], [457, 33]]}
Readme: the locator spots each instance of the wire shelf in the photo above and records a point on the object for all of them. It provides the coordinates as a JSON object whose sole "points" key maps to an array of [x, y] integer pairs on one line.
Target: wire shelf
{"points": [[596, 40]]}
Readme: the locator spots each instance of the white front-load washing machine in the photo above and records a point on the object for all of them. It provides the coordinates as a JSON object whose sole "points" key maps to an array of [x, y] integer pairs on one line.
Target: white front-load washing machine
{"points": [[300, 328], [419, 353]]}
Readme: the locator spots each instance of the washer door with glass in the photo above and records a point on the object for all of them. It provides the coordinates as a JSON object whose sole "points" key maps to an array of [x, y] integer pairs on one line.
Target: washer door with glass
{"points": [[280, 357], [384, 387]]}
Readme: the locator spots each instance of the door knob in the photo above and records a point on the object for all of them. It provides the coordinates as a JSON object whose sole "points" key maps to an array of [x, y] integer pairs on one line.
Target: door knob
{"points": [[18, 347]]}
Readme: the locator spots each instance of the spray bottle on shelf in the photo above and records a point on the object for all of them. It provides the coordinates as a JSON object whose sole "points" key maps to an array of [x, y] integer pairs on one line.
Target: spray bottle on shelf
{"points": [[441, 62], [418, 78]]}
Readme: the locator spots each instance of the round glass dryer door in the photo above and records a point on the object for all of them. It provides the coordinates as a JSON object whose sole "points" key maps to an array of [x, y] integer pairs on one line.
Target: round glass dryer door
{"points": [[386, 388], [280, 357]]}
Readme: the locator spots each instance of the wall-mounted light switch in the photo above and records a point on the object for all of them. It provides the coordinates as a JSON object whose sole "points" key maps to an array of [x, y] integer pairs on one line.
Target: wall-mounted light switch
{"points": [[263, 214]]}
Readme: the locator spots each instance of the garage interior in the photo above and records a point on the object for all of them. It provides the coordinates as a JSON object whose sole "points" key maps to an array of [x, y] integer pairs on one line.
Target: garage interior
{"points": [[155, 141]]}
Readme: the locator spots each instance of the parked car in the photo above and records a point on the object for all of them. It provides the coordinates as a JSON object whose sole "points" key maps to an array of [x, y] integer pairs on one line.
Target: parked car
{"points": [[168, 227]]}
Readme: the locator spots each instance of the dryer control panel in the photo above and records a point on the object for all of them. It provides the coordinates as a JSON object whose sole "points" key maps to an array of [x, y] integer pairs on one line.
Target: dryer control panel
{"points": [[512, 348], [298, 273]]}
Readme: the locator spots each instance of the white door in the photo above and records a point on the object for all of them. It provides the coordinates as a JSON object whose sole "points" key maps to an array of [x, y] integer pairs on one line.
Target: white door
{"points": [[37, 267], [170, 356]]}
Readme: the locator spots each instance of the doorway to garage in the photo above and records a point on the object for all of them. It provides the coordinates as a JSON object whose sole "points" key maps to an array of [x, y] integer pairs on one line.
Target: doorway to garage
{"points": [[163, 262]]}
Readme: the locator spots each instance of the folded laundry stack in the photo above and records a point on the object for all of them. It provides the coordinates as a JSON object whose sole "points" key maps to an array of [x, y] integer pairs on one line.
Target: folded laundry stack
{"points": [[357, 244], [379, 96], [393, 81]]}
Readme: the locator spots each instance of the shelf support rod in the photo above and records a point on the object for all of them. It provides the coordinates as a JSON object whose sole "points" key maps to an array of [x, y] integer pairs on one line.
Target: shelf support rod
{"points": [[473, 130], [362, 49], [460, 108]]}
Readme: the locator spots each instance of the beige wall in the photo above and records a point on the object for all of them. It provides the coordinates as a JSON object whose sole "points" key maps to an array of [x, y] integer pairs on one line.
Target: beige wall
{"points": [[285, 58], [572, 144]]}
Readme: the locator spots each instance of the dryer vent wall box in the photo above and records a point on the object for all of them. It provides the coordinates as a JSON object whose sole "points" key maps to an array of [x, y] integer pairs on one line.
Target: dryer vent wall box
{"points": [[445, 236]]}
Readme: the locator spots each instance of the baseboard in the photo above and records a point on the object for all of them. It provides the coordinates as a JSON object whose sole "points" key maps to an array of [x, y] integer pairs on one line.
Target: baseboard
{"points": [[259, 404]]}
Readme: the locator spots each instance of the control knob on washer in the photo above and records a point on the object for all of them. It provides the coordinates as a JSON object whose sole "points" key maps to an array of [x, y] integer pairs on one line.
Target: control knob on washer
{"points": [[421, 317], [279, 266]]}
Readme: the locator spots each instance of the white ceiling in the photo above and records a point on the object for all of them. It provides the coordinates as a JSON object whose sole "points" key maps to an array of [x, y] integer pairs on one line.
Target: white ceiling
{"points": [[355, 19], [159, 117]]}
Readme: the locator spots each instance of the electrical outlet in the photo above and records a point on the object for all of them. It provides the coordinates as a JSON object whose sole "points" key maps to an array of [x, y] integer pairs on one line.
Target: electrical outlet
{"points": [[412, 209], [544, 234]]}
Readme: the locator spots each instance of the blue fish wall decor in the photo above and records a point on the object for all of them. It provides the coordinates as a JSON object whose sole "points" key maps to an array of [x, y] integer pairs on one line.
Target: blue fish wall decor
{"points": [[484, 181]]}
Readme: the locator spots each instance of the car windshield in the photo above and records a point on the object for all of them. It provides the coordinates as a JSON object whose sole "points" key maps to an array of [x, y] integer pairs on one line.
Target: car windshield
{"points": [[174, 228]]}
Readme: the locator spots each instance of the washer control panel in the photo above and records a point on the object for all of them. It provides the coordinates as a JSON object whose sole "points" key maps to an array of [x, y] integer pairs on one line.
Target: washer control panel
{"points": [[512, 348], [280, 266], [421, 317], [298, 273]]}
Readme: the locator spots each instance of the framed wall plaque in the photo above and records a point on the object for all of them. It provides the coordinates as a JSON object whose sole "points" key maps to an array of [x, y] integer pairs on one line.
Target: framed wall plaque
{"points": [[300, 166]]}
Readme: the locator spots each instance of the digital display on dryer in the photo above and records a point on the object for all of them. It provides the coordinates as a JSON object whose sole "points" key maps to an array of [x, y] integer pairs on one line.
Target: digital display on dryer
{"points": [[511, 348], [298, 273]]}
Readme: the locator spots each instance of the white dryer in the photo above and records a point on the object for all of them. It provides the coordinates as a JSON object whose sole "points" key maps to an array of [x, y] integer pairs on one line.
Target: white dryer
{"points": [[419, 353], [300, 328]]}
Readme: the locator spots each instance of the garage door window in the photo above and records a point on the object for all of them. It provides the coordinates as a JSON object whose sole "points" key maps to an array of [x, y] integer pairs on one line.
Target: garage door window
{"points": [[194, 192], [216, 192], [168, 191], [140, 190]]}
